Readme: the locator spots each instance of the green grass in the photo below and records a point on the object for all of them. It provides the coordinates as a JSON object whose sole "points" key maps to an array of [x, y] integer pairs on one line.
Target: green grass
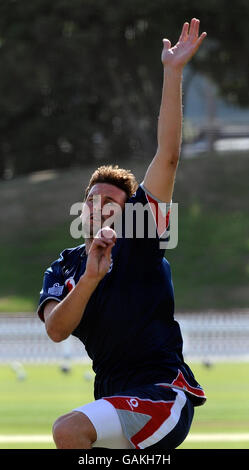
{"points": [[32, 405], [227, 387], [210, 266], [24, 267]]}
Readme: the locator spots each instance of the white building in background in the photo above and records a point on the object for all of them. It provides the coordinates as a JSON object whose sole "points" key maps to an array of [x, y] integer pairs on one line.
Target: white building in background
{"points": [[211, 124]]}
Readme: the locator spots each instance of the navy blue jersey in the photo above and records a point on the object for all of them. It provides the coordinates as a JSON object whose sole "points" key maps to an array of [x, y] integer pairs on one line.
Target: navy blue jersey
{"points": [[128, 326]]}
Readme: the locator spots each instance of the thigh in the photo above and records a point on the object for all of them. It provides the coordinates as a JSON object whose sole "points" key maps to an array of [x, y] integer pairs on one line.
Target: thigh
{"points": [[106, 422], [73, 430]]}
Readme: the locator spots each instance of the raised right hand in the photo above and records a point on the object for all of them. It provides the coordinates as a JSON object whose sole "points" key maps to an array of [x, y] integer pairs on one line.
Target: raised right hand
{"points": [[188, 44]]}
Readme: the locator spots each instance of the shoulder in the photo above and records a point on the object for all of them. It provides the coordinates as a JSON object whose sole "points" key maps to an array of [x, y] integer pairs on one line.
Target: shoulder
{"points": [[142, 194], [69, 256], [138, 196], [68, 253]]}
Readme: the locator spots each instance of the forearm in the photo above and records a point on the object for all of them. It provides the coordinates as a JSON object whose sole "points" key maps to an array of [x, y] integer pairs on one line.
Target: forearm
{"points": [[170, 117], [66, 315]]}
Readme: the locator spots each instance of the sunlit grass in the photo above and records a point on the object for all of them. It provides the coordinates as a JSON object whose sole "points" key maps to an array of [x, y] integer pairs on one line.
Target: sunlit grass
{"points": [[31, 406]]}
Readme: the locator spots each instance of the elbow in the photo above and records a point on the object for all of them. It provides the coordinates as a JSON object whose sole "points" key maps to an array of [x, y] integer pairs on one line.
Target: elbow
{"points": [[56, 338], [173, 156], [55, 335], [173, 161], [170, 159]]}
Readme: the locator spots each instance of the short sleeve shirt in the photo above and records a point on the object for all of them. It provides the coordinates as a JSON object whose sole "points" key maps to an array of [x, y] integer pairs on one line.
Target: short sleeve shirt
{"points": [[128, 326]]}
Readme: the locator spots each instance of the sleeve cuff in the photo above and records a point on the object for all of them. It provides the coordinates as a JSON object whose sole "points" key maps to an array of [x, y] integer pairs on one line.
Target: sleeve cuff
{"points": [[40, 308], [152, 195]]}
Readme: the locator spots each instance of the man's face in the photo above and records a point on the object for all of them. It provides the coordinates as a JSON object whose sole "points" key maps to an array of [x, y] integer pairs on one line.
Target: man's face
{"points": [[103, 205]]}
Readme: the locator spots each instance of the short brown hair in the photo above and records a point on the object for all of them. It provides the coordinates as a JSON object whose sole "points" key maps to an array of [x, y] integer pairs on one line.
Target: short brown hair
{"points": [[119, 177]]}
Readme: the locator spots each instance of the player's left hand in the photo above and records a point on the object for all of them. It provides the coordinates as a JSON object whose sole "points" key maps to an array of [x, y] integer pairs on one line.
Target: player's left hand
{"points": [[187, 45]]}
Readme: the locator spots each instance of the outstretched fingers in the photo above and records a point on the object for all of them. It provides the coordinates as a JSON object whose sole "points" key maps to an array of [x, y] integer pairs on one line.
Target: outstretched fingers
{"points": [[194, 29], [187, 46], [191, 32], [184, 33], [201, 38]]}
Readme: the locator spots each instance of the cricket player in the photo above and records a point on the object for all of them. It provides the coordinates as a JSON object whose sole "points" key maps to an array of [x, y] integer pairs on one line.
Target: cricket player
{"points": [[115, 293]]}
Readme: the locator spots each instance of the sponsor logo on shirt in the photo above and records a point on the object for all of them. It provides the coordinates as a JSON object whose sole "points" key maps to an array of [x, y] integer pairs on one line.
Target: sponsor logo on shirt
{"points": [[56, 289], [70, 284]]}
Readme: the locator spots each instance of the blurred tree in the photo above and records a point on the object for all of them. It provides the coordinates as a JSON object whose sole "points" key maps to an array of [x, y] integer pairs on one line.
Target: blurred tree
{"points": [[81, 80]]}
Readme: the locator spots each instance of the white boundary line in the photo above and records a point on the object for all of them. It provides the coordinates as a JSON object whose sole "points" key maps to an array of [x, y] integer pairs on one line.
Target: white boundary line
{"points": [[12, 438], [218, 437], [211, 437]]}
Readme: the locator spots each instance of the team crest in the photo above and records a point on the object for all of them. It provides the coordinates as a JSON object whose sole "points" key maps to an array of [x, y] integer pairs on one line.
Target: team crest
{"points": [[56, 289]]}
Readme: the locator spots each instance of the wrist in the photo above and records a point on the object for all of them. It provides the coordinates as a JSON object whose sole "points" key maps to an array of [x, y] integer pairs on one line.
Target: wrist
{"points": [[89, 281], [174, 71]]}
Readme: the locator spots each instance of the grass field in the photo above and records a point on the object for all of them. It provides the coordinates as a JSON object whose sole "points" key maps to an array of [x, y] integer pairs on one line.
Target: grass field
{"points": [[29, 407]]}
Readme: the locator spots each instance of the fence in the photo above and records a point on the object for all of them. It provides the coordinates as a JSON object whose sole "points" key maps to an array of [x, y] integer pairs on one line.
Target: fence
{"points": [[208, 336], [23, 338], [212, 336]]}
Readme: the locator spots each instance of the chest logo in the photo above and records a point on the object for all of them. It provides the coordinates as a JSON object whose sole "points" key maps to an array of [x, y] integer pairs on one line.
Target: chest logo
{"points": [[70, 284]]}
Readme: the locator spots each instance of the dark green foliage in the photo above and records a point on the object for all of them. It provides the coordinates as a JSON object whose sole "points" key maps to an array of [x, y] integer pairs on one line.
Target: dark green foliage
{"points": [[81, 80]]}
